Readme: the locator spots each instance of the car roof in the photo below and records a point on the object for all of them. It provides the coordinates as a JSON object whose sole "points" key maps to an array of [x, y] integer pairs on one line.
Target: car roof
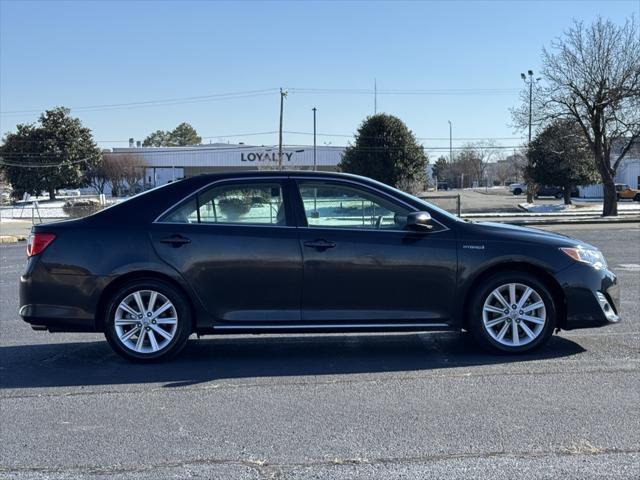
{"points": [[274, 173]]}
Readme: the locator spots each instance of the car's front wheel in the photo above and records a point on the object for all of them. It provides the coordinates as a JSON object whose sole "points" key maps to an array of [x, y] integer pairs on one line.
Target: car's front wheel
{"points": [[517, 191], [637, 197], [147, 320], [512, 312]]}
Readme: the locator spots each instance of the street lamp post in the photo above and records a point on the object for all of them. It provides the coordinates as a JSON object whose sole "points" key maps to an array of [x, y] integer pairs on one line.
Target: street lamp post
{"points": [[529, 80], [315, 213], [283, 94], [314, 138], [450, 141]]}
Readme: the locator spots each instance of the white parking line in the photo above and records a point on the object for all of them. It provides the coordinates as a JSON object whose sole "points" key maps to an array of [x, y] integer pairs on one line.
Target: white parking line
{"points": [[632, 267]]}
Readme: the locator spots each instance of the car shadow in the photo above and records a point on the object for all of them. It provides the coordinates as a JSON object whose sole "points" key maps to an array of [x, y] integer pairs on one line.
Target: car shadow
{"points": [[218, 358]]}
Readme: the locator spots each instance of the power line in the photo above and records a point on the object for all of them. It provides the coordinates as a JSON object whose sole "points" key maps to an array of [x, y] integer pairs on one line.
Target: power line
{"points": [[187, 149], [42, 165], [447, 91], [268, 91], [156, 103], [418, 138], [294, 132], [238, 148]]}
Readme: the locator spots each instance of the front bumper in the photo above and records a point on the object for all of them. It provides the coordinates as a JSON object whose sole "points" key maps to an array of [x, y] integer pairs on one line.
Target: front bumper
{"points": [[592, 297]]}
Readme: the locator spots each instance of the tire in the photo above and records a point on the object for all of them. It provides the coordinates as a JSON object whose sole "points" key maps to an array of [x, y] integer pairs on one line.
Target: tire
{"points": [[517, 191], [559, 195], [165, 333], [636, 198], [480, 314]]}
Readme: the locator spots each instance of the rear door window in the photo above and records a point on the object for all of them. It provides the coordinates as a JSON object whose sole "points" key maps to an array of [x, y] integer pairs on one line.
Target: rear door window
{"points": [[255, 203]]}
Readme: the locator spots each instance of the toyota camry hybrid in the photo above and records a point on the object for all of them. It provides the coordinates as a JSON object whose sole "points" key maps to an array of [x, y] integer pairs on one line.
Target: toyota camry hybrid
{"points": [[295, 252]]}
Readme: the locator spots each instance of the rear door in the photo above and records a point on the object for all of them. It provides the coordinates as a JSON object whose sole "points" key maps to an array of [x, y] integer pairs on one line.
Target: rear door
{"points": [[234, 242], [362, 266]]}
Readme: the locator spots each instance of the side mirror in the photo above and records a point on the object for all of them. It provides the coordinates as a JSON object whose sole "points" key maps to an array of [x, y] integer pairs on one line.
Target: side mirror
{"points": [[419, 221]]}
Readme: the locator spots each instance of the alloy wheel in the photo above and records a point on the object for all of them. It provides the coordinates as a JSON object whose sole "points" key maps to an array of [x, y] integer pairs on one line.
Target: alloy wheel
{"points": [[146, 321], [514, 314]]}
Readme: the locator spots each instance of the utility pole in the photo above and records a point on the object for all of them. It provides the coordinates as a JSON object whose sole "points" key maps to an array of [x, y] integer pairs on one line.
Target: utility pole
{"points": [[315, 213], [314, 138], [375, 96], [530, 83], [283, 94], [450, 142]]}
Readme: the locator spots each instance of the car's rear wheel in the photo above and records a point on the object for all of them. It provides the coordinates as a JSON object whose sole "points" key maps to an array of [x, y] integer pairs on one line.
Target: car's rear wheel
{"points": [[559, 195], [147, 320], [512, 312], [637, 197], [517, 191]]}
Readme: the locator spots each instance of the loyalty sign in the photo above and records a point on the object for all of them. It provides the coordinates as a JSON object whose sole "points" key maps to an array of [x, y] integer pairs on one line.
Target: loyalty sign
{"points": [[265, 157]]}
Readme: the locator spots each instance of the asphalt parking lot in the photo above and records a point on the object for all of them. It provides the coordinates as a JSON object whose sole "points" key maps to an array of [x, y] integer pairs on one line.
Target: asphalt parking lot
{"points": [[481, 200], [326, 406]]}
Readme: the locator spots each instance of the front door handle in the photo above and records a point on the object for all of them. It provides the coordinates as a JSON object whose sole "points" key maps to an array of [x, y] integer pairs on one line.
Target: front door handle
{"points": [[320, 244], [176, 240]]}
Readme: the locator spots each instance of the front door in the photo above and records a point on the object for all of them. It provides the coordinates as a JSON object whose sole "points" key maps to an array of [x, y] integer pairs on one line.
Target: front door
{"points": [[236, 247], [361, 264]]}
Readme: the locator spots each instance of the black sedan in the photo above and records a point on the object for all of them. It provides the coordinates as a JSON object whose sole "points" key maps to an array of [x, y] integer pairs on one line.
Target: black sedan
{"points": [[298, 252]]}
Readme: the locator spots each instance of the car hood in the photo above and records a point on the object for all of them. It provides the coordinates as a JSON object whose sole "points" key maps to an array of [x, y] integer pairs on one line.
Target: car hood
{"points": [[503, 231]]}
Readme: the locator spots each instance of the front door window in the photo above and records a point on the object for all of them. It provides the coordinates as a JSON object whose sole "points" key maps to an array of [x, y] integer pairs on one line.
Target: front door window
{"points": [[328, 205]]}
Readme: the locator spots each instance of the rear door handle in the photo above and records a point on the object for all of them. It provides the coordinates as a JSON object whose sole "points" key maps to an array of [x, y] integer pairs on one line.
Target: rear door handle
{"points": [[320, 244], [176, 240]]}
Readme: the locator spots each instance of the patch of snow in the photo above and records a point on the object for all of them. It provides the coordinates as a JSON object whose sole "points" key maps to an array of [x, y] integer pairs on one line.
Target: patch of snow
{"points": [[545, 208], [577, 207]]}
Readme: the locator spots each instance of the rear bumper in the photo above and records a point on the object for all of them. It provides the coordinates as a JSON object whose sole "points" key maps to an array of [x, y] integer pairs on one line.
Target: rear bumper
{"points": [[592, 297], [58, 303], [56, 318]]}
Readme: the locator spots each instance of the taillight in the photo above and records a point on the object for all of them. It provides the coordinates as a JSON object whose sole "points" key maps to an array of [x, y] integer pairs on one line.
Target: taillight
{"points": [[38, 242]]}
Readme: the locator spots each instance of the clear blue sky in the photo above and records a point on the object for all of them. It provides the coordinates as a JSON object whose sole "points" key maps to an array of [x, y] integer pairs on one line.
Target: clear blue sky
{"points": [[90, 53]]}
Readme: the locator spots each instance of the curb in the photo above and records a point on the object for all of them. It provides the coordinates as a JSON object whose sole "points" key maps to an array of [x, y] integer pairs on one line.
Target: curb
{"points": [[579, 221], [12, 238], [592, 214]]}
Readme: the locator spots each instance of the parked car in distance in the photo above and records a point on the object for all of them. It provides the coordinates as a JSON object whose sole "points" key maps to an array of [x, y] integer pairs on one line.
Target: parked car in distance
{"points": [[625, 192], [553, 191], [296, 252], [443, 186], [517, 188]]}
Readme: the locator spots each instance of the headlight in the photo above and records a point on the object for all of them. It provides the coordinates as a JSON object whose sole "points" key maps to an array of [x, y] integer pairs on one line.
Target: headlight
{"points": [[587, 255]]}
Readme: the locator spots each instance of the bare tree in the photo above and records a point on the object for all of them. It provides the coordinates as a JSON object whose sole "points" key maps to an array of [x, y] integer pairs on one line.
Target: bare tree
{"points": [[517, 164], [502, 170], [592, 75], [123, 171], [474, 158], [133, 168], [95, 176]]}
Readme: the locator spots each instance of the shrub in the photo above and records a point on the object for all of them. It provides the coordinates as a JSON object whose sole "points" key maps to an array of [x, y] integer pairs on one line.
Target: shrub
{"points": [[78, 208]]}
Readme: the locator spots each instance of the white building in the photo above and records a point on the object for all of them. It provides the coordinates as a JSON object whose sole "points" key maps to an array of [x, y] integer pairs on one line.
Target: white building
{"points": [[628, 173], [166, 164]]}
